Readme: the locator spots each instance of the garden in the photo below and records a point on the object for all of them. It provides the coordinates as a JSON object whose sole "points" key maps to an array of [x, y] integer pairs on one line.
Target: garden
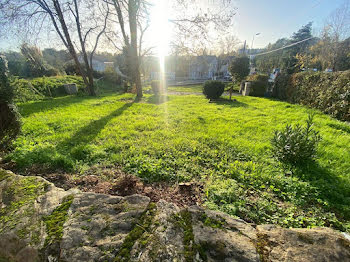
{"points": [[224, 148]]}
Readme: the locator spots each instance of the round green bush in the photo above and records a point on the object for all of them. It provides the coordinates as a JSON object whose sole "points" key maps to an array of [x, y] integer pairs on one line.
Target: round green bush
{"points": [[213, 89]]}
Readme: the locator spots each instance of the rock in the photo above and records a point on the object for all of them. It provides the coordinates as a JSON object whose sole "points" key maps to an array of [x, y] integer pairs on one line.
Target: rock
{"points": [[299, 245], [98, 225], [247, 89], [40, 222], [222, 237], [164, 241], [71, 89]]}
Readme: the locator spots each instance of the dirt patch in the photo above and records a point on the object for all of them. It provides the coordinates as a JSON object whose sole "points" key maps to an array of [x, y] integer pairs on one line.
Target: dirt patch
{"points": [[113, 181], [182, 195]]}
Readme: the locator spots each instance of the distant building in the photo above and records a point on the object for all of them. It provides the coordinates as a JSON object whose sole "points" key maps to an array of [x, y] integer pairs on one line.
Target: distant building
{"points": [[182, 68], [98, 64], [157, 76], [203, 67]]}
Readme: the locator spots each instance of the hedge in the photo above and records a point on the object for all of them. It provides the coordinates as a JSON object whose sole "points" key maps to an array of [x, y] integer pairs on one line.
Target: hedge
{"points": [[259, 84], [41, 87], [328, 92]]}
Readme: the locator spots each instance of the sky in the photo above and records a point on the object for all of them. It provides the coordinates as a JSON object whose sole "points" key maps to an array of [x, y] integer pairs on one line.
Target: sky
{"points": [[273, 19]]}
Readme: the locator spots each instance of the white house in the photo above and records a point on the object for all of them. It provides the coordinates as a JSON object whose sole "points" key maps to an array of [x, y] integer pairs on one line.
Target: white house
{"points": [[157, 76], [98, 64], [203, 67]]}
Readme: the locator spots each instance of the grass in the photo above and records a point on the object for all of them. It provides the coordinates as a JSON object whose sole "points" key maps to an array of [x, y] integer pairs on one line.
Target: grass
{"points": [[224, 145], [186, 89], [196, 88]]}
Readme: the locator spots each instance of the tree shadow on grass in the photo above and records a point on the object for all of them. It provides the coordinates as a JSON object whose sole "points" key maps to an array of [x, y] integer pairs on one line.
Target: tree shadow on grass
{"points": [[227, 102], [89, 132], [332, 189], [40, 106], [345, 128], [51, 158], [157, 99]]}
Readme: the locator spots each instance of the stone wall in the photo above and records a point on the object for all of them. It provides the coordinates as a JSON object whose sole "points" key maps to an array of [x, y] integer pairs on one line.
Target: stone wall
{"points": [[39, 222]]}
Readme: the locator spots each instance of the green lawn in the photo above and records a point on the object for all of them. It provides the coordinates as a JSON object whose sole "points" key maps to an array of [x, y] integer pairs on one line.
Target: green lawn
{"points": [[195, 88], [186, 89], [224, 145]]}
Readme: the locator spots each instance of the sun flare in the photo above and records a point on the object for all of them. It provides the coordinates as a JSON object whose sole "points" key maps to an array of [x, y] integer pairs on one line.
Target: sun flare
{"points": [[161, 32]]}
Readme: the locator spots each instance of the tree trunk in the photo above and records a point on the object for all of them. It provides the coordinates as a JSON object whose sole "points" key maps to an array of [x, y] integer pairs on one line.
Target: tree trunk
{"points": [[89, 69], [134, 63], [71, 49], [89, 72]]}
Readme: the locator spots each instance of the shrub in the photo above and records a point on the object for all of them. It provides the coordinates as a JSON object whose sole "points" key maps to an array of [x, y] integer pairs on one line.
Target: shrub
{"points": [[239, 68], [51, 71], [6, 91], [258, 77], [213, 89], [70, 68], [258, 88], [97, 74], [155, 85], [259, 84], [280, 86], [9, 117], [296, 145], [111, 75], [235, 88], [328, 92]]}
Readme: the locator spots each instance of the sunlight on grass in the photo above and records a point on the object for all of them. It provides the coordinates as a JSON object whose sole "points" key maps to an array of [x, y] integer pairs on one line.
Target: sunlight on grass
{"points": [[224, 145]]}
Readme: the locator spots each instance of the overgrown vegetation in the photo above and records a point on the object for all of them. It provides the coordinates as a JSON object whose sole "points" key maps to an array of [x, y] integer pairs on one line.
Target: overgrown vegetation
{"points": [[296, 145], [223, 145], [328, 92], [43, 87], [10, 124]]}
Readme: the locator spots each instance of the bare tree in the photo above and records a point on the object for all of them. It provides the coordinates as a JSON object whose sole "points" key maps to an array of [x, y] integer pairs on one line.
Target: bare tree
{"points": [[336, 29], [71, 19], [198, 24], [195, 27], [227, 45], [338, 23], [132, 22]]}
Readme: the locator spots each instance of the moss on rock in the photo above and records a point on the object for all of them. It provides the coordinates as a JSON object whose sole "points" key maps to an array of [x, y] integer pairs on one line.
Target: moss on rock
{"points": [[140, 230], [18, 193], [54, 222], [3, 175], [218, 222], [191, 248]]}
